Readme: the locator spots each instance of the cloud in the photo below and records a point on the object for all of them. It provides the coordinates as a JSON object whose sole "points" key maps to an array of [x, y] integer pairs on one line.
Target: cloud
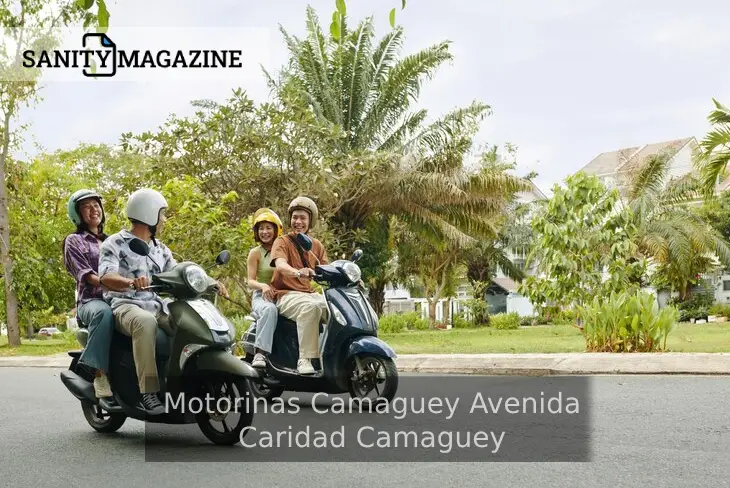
{"points": [[566, 79]]}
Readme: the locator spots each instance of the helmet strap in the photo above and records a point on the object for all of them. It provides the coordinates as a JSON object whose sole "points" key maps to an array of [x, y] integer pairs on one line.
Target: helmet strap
{"points": [[153, 230]]}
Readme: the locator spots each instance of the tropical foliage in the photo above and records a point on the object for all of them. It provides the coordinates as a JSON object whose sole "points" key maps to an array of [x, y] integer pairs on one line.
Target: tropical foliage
{"points": [[579, 235], [679, 242], [626, 322], [715, 148]]}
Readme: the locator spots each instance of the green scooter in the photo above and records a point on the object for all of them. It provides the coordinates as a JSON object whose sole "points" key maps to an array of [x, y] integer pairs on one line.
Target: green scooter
{"points": [[201, 380]]}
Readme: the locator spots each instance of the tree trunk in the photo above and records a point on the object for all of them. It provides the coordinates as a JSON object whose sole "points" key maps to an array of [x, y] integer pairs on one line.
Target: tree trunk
{"points": [[432, 312], [11, 299], [376, 295]]}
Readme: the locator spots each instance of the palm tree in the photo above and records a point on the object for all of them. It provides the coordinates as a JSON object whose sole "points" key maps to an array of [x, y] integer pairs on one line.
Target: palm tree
{"points": [[361, 85], [715, 148], [415, 172], [668, 231]]}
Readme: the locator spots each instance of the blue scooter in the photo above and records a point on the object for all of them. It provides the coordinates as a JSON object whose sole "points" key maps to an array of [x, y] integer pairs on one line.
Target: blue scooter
{"points": [[352, 358]]}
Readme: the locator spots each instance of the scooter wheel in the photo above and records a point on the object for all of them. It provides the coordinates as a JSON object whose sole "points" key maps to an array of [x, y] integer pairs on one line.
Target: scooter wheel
{"points": [[100, 420], [265, 392], [379, 376], [241, 405]]}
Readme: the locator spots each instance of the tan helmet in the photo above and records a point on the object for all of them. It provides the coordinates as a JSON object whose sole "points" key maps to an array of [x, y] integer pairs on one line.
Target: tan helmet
{"points": [[304, 203]]}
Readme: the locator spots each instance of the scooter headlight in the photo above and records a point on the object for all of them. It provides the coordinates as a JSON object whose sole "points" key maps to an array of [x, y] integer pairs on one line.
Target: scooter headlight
{"points": [[196, 278], [352, 271]]}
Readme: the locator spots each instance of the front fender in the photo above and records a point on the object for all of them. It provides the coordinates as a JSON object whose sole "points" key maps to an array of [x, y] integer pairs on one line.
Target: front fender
{"points": [[224, 362], [371, 345]]}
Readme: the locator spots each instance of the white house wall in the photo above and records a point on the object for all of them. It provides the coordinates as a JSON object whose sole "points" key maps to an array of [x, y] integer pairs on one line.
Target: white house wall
{"points": [[681, 163]]}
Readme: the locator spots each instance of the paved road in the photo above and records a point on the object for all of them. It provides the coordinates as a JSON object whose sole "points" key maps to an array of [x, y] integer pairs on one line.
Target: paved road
{"points": [[652, 431]]}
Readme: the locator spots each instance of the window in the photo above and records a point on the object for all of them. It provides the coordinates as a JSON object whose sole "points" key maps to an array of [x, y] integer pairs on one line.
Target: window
{"points": [[726, 285]]}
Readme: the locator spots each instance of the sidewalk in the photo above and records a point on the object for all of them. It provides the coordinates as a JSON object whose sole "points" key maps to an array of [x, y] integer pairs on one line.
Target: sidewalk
{"points": [[510, 364]]}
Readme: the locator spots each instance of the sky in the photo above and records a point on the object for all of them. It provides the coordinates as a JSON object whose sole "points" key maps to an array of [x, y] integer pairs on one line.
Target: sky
{"points": [[566, 80]]}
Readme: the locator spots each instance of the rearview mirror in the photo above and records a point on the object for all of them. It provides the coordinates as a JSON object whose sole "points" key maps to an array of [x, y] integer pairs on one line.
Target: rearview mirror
{"points": [[222, 258], [138, 246], [305, 241], [356, 255]]}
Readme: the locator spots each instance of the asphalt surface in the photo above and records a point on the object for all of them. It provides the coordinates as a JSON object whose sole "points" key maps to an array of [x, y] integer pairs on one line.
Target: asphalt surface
{"points": [[653, 430]]}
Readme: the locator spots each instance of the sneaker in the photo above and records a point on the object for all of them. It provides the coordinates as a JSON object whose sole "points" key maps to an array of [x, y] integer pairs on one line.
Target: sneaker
{"points": [[101, 387], [109, 404], [151, 404], [304, 366], [259, 361]]}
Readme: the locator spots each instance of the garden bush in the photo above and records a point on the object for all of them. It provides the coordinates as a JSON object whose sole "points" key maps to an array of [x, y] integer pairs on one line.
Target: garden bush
{"points": [[696, 306], [627, 322], [528, 320], [399, 322], [505, 321], [479, 311], [720, 310], [460, 322]]}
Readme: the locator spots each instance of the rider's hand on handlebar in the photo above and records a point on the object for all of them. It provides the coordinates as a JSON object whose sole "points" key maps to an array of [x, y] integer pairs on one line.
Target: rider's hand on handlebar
{"points": [[221, 288], [140, 283], [306, 273]]}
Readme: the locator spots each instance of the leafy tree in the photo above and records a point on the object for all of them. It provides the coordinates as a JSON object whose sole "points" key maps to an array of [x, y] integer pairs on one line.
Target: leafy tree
{"points": [[715, 148], [267, 154], [579, 234], [30, 25], [716, 212], [389, 163], [199, 228], [434, 264], [667, 230], [38, 191]]}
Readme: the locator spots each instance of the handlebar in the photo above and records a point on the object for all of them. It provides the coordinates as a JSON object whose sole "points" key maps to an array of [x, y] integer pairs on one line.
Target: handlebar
{"points": [[150, 287]]}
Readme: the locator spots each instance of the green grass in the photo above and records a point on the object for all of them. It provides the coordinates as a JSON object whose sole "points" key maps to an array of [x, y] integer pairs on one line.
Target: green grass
{"points": [[35, 347], [549, 339], [714, 337]]}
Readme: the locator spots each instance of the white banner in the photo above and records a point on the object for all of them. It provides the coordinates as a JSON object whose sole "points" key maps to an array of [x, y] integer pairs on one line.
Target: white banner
{"points": [[174, 54]]}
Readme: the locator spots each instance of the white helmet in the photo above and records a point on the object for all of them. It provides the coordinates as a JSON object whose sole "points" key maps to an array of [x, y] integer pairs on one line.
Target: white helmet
{"points": [[144, 206]]}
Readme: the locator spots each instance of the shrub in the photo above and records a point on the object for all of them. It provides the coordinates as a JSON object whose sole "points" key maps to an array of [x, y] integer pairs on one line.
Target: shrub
{"points": [[505, 321], [479, 311], [626, 322], [528, 320], [460, 322], [565, 317], [399, 322], [720, 310]]}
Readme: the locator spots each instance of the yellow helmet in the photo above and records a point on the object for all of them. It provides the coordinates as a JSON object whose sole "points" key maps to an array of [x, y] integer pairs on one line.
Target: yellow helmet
{"points": [[266, 215]]}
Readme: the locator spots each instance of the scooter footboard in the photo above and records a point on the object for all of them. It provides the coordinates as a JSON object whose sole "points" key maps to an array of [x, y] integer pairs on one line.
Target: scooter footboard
{"points": [[371, 345], [223, 362]]}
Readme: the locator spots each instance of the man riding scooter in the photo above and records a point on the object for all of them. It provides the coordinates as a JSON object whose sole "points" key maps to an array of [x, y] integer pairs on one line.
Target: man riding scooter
{"points": [[139, 312], [294, 295]]}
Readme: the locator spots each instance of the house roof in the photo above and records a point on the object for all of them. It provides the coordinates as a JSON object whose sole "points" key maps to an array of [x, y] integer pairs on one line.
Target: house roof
{"points": [[627, 158], [535, 191], [506, 284]]}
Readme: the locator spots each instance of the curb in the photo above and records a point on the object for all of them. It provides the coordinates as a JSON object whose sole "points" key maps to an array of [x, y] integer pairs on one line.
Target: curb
{"points": [[509, 364], [568, 364]]}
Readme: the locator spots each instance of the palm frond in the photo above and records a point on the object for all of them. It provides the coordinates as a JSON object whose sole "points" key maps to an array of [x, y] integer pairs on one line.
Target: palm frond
{"points": [[402, 87], [409, 125], [650, 176], [359, 61], [714, 154]]}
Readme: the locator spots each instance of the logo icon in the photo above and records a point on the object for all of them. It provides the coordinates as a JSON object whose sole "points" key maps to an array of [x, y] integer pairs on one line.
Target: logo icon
{"points": [[103, 57]]}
